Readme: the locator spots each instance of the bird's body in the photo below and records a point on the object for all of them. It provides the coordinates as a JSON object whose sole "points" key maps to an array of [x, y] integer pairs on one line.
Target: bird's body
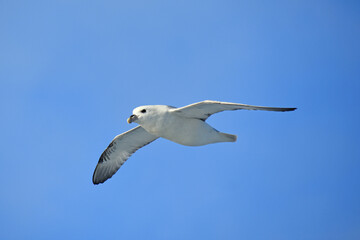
{"points": [[185, 125], [185, 131]]}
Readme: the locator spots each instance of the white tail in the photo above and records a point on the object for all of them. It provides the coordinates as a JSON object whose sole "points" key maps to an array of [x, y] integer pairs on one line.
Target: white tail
{"points": [[229, 137]]}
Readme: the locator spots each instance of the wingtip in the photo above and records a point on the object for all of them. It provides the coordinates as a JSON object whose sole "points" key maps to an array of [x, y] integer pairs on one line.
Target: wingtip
{"points": [[94, 180], [97, 182], [289, 109]]}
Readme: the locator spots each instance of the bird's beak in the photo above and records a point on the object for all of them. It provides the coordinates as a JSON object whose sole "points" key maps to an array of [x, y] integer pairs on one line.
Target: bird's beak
{"points": [[132, 118]]}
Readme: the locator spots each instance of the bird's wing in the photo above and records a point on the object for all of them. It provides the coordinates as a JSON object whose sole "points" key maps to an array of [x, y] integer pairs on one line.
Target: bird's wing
{"points": [[119, 150], [203, 110]]}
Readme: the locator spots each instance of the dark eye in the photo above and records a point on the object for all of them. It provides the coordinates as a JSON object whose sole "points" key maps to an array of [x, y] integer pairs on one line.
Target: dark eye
{"points": [[143, 111]]}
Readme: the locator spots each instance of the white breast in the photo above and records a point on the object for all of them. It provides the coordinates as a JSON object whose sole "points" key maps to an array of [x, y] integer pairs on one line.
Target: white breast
{"points": [[185, 131]]}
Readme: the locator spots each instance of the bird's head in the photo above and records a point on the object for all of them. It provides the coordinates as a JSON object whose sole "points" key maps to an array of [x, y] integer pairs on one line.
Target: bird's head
{"points": [[145, 113]]}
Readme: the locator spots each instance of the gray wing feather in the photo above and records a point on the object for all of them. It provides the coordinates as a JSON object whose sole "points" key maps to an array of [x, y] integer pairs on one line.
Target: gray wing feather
{"points": [[119, 150], [205, 109]]}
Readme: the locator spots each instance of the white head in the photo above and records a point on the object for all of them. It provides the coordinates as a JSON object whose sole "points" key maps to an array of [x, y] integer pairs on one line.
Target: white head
{"points": [[146, 113]]}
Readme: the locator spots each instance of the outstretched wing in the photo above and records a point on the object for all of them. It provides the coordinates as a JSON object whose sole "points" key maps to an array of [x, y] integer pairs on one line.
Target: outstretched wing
{"points": [[205, 109], [119, 150]]}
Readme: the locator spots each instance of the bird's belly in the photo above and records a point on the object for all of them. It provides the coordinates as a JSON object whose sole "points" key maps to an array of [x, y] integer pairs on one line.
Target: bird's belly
{"points": [[189, 132]]}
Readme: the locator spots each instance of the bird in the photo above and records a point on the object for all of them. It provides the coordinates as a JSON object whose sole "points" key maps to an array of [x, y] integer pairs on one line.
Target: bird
{"points": [[185, 125]]}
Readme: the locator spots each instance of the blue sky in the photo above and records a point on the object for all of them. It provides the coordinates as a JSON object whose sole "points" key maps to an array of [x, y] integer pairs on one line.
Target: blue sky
{"points": [[72, 71]]}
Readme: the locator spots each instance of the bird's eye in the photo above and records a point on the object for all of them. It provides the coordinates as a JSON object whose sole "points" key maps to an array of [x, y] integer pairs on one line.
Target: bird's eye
{"points": [[143, 111]]}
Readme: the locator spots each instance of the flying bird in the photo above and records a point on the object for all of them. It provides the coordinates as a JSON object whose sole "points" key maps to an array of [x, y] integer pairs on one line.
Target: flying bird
{"points": [[186, 125]]}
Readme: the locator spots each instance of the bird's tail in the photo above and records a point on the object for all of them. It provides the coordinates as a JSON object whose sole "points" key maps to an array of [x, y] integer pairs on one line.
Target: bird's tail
{"points": [[229, 137]]}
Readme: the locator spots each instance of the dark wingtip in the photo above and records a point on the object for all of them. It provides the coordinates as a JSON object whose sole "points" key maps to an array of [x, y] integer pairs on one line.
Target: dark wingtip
{"points": [[93, 177], [288, 109], [97, 182], [101, 180]]}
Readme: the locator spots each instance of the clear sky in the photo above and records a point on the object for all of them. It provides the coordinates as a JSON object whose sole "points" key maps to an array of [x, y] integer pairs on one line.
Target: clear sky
{"points": [[72, 71]]}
